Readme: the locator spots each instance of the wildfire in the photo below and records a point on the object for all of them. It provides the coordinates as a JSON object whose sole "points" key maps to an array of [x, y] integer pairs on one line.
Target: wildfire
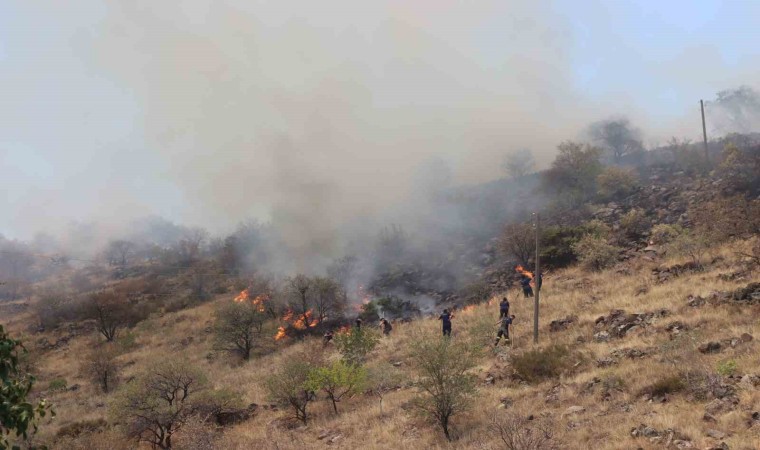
{"points": [[303, 322], [242, 296], [259, 301], [519, 269], [468, 308]]}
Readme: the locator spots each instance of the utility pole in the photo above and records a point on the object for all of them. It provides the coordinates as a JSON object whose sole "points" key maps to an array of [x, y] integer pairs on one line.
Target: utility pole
{"points": [[536, 282], [704, 130]]}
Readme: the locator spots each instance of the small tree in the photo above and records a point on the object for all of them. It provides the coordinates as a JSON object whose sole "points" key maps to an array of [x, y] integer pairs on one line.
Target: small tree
{"points": [[616, 182], [518, 163], [329, 298], [337, 380], [111, 312], [156, 404], [383, 379], [299, 291], [692, 245], [289, 386], [518, 240], [119, 251], [618, 137], [18, 416], [100, 366], [664, 233], [634, 224], [355, 344], [595, 253], [238, 326], [446, 386], [520, 433], [574, 172]]}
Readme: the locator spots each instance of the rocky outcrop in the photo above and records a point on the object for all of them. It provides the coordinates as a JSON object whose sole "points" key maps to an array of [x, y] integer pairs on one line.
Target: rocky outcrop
{"points": [[618, 323]]}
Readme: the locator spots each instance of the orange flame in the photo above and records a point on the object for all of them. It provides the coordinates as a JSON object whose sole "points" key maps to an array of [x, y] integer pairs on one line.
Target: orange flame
{"points": [[468, 308], [242, 296], [519, 269], [303, 322], [280, 334]]}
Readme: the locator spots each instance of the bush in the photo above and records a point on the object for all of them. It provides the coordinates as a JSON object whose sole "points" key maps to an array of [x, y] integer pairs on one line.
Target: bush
{"points": [[239, 326], [664, 233], [540, 364], [57, 384], [574, 172], [289, 386], [355, 344], [595, 253], [100, 366], [445, 384], [693, 245], [75, 429], [727, 368], [669, 384], [557, 245], [521, 433], [727, 218], [337, 380], [616, 183], [634, 224], [518, 241]]}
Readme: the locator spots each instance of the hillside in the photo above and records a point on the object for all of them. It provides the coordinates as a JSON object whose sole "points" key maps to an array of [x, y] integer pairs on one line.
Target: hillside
{"points": [[602, 398]]}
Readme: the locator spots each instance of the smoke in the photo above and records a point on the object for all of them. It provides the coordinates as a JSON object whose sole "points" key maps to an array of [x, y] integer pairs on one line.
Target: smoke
{"points": [[328, 120]]}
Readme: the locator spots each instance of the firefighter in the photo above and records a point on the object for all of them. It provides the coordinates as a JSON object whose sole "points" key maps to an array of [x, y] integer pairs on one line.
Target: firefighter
{"points": [[525, 283], [445, 319], [386, 326], [358, 323], [503, 308], [539, 280], [328, 336], [504, 324]]}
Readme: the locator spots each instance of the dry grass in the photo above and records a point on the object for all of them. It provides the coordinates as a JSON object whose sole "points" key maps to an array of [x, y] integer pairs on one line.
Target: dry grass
{"points": [[605, 424]]}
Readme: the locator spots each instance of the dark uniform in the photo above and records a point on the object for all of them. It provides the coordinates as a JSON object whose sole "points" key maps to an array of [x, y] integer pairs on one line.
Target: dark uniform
{"points": [[525, 283], [386, 326], [504, 324], [503, 308], [445, 319]]}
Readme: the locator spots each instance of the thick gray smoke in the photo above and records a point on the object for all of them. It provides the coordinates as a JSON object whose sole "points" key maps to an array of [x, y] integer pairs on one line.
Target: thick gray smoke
{"points": [[331, 120]]}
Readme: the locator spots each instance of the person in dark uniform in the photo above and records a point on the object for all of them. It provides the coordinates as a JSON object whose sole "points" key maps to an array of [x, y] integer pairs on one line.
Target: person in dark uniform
{"points": [[445, 319], [503, 308], [539, 280], [358, 324], [504, 324], [386, 326], [525, 283]]}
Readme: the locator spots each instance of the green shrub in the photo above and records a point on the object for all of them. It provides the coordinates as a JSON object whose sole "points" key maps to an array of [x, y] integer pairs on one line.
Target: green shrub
{"points": [[539, 364], [693, 245], [727, 368], [354, 344], [127, 341], [596, 253], [616, 182], [57, 384], [669, 384], [634, 224], [664, 233]]}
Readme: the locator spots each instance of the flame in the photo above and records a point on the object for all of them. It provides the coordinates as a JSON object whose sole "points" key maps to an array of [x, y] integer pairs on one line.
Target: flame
{"points": [[492, 301], [242, 296], [280, 333], [468, 308], [519, 269], [345, 329], [303, 322]]}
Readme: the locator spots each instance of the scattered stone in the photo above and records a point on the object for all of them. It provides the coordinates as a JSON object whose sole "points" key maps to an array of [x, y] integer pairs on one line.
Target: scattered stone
{"points": [[707, 417], [562, 324], [602, 336], [397, 363], [695, 301], [721, 446], [710, 347], [719, 406], [746, 337], [605, 362], [235, 416], [574, 410], [716, 434], [618, 323]]}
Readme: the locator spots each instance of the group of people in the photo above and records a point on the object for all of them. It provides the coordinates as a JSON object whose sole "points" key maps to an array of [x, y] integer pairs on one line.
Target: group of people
{"points": [[505, 319]]}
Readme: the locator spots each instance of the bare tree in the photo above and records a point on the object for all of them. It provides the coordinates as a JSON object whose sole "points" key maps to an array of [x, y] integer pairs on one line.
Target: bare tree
{"points": [[518, 433], [119, 251], [518, 163], [299, 290], [100, 365], [618, 137], [289, 386], [238, 326], [518, 240], [329, 298], [735, 110], [157, 403], [111, 312], [190, 246]]}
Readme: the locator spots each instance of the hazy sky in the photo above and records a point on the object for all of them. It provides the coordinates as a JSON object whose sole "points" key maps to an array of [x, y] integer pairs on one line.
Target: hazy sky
{"points": [[314, 112]]}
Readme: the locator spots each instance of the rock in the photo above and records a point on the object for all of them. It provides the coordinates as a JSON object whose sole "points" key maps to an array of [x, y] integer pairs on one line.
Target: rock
{"points": [[716, 434], [695, 301], [74, 388], [746, 337], [574, 410], [489, 379], [721, 446], [602, 336], [605, 362], [707, 417], [719, 406], [561, 324], [397, 363], [235, 416], [710, 347]]}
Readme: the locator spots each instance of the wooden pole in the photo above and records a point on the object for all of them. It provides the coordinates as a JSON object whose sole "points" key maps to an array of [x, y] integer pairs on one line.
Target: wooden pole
{"points": [[535, 277], [704, 130]]}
